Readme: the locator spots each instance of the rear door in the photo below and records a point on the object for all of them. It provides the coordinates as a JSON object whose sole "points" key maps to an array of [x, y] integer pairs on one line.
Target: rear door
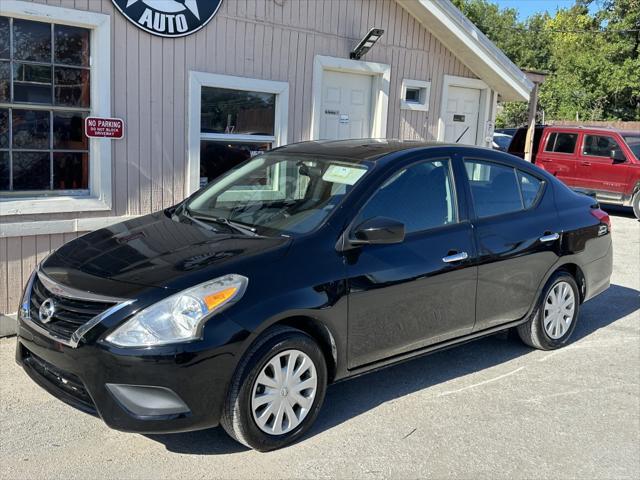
{"points": [[558, 154], [597, 171], [405, 296], [517, 232]]}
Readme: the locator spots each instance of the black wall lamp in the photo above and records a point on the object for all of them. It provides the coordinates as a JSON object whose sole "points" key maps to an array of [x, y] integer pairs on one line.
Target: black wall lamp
{"points": [[366, 43]]}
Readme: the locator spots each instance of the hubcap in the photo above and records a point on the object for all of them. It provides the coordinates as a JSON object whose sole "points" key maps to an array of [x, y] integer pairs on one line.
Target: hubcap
{"points": [[284, 392], [559, 307]]}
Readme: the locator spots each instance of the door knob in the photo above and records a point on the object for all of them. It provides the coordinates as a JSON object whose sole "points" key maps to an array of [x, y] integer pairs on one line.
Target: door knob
{"points": [[551, 237], [456, 257]]}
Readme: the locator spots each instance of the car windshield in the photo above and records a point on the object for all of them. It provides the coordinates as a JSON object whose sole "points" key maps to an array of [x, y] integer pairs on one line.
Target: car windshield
{"points": [[634, 144], [275, 194]]}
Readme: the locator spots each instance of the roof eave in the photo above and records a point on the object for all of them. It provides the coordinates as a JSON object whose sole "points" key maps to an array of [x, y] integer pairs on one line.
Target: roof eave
{"points": [[472, 47]]}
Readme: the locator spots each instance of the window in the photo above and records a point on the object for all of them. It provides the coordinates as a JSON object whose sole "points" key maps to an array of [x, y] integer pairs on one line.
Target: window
{"points": [[44, 99], [599, 145], [237, 119], [633, 141], [421, 197], [415, 95], [531, 187], [494, 188], [561, 142]]}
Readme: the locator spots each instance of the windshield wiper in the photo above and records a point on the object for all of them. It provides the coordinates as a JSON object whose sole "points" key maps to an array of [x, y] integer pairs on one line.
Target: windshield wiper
{"points": [[240, 227]]}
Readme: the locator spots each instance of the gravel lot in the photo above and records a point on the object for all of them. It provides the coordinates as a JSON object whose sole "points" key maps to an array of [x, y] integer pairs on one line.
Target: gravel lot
{"points": [[489, 409]]}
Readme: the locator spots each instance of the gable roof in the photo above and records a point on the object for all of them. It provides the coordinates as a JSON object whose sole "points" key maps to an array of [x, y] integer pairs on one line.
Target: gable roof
{"points": [[471, 46]]}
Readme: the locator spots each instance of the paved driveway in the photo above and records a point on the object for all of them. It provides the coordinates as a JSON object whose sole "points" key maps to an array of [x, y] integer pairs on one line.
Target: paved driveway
{"points": [[492, 409]]}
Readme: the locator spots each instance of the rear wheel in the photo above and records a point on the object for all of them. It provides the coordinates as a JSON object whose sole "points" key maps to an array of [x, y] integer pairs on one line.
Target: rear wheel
{"points": [[636, 204], [277, 390], [554, 318]]}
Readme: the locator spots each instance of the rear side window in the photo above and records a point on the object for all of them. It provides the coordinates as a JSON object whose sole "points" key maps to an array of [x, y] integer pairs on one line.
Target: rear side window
{"points": [[560, 142], [494, 188], [530, 187], [599, 145]]}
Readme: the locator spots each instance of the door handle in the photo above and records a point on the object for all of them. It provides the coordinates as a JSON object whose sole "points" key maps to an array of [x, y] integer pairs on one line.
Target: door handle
{"points": [[456, 257], [586, 164], [552, 237]]}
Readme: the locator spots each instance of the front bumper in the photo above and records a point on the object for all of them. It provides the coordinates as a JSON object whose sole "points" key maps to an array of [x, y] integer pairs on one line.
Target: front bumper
{"points": [[197, 375]]}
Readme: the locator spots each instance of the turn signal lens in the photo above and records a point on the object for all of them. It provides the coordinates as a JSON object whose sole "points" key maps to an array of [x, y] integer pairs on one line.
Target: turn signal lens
{"points": [[215, 299]]}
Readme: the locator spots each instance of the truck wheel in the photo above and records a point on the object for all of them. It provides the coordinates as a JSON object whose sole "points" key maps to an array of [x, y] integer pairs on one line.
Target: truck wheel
{"points": [[636, 204], [277, 390], [554, 318]]}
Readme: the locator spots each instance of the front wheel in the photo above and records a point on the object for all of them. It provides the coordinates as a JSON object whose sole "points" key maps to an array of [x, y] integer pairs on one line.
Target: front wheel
{"points": [[277, 390], [554, 318]]}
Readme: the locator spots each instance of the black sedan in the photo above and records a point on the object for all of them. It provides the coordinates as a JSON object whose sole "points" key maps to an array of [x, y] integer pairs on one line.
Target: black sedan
{"points": [[306, 265]]}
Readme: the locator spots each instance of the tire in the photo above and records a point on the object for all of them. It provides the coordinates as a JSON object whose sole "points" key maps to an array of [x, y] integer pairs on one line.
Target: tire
{"points": [[636, 204], [278, 344], [534, 333]]}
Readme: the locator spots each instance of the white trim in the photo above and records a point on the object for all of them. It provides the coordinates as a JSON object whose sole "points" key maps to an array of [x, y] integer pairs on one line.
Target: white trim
{"points": [[425, 94], [100, 196], [381, 74], [484, 110], [197, 80], [51, 227], [470, 45]]}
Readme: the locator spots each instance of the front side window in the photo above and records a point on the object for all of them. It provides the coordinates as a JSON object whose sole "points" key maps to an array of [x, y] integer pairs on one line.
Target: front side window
{"points": [[44, 99], [302, 193], [235, 125], [599, 145], [494, 188], [421, 197], [633, 141], [561, 142]]}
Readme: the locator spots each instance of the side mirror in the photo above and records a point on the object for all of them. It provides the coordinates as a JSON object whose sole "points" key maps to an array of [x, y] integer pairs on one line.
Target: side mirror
{"points": [[378, 231], [618, 156]]}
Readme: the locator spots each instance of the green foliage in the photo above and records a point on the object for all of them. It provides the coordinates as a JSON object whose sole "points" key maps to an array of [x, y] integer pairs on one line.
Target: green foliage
{"points": [[593, 59]]}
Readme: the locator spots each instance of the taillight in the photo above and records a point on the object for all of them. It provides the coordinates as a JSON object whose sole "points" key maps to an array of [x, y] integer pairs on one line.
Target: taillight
{"points": [[602, 216]]}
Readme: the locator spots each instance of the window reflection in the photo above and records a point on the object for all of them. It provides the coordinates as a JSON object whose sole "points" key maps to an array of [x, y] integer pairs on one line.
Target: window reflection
{"points": [[217, 158]]}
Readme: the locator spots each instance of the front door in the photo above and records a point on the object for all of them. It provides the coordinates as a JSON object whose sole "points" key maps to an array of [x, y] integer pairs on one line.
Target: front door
{"points": [[405, 296], [461, 115], [346, 106], [598, 172]]}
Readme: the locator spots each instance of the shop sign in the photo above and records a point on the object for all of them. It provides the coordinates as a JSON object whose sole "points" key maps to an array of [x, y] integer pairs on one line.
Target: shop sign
{"points": [[95, 127], [169, 18]]}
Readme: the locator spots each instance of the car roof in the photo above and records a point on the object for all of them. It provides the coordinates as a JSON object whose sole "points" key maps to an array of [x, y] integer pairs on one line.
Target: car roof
{"points": [[358, 150], [592, 129]]}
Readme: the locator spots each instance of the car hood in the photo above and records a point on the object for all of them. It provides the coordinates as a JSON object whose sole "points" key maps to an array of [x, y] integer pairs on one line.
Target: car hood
{"points": [[156, 251]]}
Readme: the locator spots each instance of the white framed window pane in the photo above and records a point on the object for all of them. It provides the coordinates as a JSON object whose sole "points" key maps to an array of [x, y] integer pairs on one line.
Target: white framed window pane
{"points": [[31, 41], [237, 112]]}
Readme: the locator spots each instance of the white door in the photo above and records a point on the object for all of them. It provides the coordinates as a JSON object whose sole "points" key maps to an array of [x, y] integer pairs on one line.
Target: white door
{"points": [[346, 106], [461, 116]]}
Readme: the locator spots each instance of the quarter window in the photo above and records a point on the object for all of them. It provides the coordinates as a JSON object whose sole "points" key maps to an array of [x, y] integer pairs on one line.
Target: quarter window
{"points": [[44, 99], [599, 145], [530, 187], [560, 142], [421, 197]]}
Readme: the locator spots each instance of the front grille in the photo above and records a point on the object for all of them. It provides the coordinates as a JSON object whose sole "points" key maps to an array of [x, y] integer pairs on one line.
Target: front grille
{"points": [[69, 315], [66, 383]]}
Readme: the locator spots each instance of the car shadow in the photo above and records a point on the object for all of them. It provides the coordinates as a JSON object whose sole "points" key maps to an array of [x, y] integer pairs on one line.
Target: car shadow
{"points": [[348, 399], [618, 211]]}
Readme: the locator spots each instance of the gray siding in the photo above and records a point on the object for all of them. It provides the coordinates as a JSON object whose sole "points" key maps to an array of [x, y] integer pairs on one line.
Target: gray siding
{"points": [[265, 39]]}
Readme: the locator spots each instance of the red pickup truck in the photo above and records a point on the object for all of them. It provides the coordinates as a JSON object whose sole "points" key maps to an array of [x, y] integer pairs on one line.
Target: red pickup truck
{"points": [[597, 161]]}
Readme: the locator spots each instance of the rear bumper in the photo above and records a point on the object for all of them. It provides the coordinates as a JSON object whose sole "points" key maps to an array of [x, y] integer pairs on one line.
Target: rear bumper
{"points": [[148, 381]]}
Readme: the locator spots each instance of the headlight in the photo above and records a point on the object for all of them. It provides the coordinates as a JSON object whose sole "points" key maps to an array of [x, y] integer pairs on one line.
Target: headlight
{"points": [[179, 318]]}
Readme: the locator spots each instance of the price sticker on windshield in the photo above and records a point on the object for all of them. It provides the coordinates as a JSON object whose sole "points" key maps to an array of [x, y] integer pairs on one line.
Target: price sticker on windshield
{"points": [[343, 174]]}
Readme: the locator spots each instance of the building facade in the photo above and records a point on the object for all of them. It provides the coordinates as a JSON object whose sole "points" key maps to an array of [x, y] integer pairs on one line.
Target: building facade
{"points": [[200, 91]]}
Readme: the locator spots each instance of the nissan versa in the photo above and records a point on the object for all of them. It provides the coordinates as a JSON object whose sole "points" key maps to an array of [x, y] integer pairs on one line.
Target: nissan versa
{"points": [[303, 266]]}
